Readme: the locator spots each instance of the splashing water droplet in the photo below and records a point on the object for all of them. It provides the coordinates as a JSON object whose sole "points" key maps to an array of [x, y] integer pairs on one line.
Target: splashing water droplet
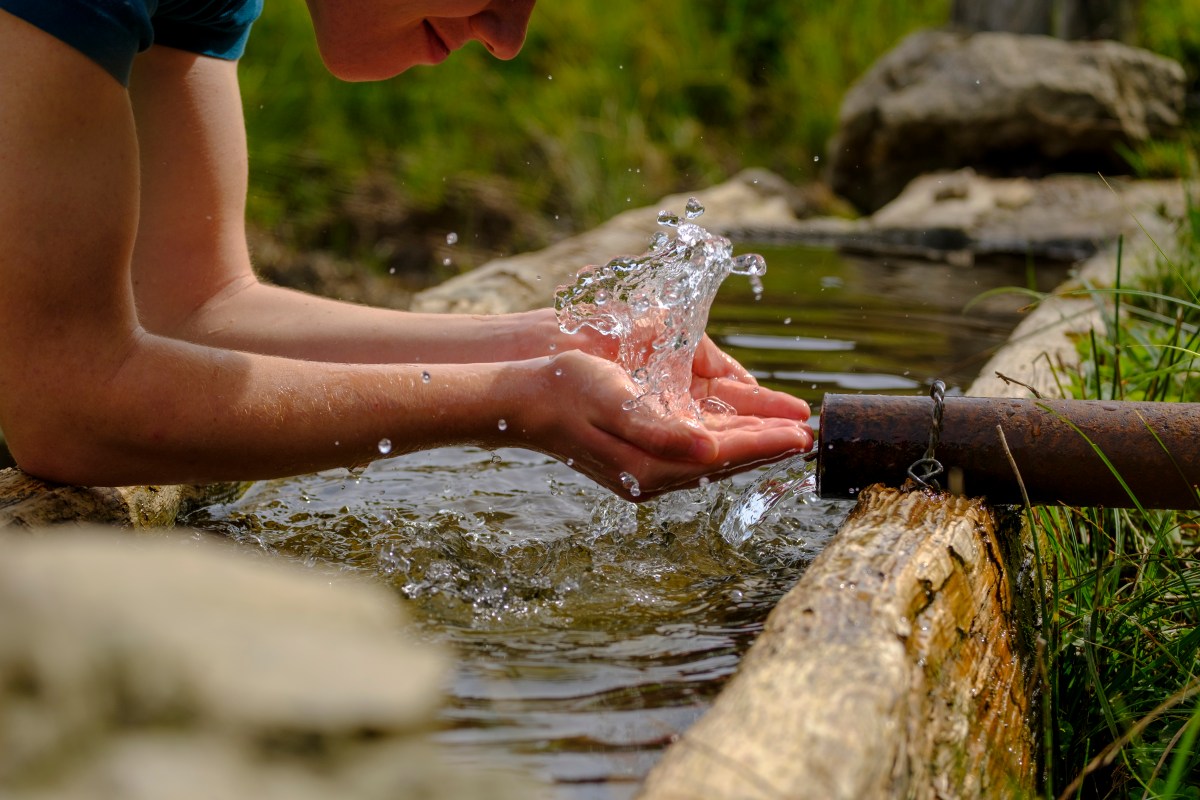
{"points": [[558, 372], [570, 462], [451, 238], [630, 404], [693, 208], [790, 476], [749, 264], [425, 377], [656, 306], [631, 484], [502, 425], [717, 407], [385, 446]]}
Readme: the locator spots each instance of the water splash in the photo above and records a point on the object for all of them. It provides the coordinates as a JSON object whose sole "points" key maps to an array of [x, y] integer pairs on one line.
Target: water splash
{"points": [[657, 304], [795, 475]]}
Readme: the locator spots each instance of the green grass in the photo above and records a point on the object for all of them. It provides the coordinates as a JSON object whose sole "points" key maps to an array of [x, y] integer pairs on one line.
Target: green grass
{"points": [[609, 106], [1121, 622]]}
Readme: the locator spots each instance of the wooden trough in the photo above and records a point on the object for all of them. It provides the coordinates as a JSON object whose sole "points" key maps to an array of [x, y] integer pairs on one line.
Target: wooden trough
{"points": [[896, 668]]}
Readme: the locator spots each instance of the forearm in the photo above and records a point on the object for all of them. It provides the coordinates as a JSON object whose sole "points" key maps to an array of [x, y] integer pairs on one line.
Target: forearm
{"points": [[259, 318], [177, 412]]}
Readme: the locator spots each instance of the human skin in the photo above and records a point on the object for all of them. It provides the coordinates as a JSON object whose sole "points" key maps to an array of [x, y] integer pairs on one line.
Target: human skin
{"points": [[137, 346]]}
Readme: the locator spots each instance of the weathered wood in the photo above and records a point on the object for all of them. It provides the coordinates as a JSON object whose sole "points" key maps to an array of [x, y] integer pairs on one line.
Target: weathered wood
{"points": [[893, 669], [28, 502]]}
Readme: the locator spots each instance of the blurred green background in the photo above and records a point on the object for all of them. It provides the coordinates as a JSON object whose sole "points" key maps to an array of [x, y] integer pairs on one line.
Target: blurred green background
{"points": [[610, 106]]}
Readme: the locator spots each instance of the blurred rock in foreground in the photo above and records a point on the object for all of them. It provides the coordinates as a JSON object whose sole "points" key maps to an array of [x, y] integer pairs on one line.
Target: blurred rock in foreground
{"points": [[170, 667]]}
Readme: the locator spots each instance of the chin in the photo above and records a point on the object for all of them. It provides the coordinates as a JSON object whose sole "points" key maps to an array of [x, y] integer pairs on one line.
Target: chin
{"points": [[359, 70]]}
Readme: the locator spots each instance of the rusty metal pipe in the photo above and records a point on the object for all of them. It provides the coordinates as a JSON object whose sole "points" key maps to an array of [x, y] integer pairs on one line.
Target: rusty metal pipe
{"points": [[1153, 447]]}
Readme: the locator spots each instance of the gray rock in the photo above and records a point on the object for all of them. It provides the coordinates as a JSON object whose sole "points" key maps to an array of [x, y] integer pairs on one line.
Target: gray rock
{"points": [[1004, 104], [169, 666]]}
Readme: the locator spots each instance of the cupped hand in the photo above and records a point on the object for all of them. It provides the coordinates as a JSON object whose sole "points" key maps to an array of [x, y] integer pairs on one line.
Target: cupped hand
{"points": [[576, 408]]}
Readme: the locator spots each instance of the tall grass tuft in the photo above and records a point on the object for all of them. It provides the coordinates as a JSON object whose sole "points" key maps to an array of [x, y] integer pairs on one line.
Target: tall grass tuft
{"points": [[1121, 624]]}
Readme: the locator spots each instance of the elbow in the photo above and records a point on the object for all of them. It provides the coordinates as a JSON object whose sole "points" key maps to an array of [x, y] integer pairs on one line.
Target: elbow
{"points": [[50, 447]]}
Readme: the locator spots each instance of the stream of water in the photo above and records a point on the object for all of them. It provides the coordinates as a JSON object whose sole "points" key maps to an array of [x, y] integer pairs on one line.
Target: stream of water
{"points": [[590, 632]]}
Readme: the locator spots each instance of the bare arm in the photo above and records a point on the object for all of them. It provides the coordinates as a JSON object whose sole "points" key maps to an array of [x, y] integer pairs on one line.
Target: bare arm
{"points": [[88, 395]]}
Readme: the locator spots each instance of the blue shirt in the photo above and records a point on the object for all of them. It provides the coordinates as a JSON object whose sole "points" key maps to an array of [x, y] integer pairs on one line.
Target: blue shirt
{"points": [[112, 32]]}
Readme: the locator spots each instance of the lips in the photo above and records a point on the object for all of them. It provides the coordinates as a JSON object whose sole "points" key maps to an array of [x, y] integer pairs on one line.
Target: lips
{"points": [[438, 49]]}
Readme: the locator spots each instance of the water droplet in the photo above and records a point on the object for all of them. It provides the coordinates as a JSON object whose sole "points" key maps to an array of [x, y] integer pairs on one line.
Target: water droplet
{"points": [[787, 320], [629, 405], [641, 375], [668, 219], [558, 372], [570, 462], [553, 347], [749, 264], [385, 446], [425, 377], [446, 262], [451, 238], [601, 297], [391, 270], [659, 240], [502, 425], [816, 159], [631, 484], [640, 304], [693, 208], [704, 482]]}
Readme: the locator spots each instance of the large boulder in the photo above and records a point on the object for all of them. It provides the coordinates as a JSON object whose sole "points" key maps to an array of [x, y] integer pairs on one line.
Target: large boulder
{"points": [[1002, 103]]}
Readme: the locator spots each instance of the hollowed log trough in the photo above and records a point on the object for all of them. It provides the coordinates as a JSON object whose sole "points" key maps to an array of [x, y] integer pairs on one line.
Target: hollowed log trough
{"points": [[895, 668]]}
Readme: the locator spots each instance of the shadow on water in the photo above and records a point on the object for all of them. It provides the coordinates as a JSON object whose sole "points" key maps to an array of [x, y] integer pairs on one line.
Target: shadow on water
{"points": [[591, 633]]}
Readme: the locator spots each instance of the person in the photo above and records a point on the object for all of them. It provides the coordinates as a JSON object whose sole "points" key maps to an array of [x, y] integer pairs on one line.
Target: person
{"points": [[137, 345]]}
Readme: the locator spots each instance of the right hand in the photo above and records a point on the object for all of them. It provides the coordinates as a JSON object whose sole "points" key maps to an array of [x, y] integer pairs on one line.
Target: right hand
{"points": [[572, 409]]}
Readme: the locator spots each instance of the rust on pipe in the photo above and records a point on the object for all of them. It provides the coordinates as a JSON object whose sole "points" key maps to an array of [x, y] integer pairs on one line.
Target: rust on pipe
{"points": [[1154, 448]]}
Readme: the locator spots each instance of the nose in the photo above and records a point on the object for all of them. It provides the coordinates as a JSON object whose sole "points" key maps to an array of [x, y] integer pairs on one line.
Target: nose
{"points": [[501, 26]]}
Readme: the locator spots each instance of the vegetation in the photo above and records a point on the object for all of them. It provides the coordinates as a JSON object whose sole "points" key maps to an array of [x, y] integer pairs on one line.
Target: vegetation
{"points": [[609, 106], [1121, 624]]}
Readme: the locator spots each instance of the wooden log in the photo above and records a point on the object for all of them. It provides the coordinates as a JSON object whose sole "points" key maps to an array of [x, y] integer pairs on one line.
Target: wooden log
{"points": [[26, 502], [893, 669]]}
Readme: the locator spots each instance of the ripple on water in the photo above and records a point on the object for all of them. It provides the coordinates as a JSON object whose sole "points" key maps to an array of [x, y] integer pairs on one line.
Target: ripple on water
{"points": [[590, 631]]}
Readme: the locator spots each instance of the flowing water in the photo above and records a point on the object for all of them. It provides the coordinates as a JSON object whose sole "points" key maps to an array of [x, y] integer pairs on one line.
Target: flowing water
{"points": [[590, 632]]}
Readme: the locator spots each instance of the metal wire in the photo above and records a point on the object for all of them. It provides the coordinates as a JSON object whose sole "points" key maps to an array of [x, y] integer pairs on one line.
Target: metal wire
{"points": [[927, 465]]}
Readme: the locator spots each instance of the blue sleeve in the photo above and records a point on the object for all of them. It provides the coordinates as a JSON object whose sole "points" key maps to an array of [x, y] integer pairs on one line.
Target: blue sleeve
{"points": [[216, 28], [110, 32], [113, 32]]}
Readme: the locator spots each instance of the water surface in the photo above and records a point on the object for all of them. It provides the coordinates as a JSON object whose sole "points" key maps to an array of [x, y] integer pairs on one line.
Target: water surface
{"points": [[591, 633]]}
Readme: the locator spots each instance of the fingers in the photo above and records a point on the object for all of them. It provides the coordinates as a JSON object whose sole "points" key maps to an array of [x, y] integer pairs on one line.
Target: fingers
{"points": [[674, 438], [752, 400], [739, 444], [712, 362]]}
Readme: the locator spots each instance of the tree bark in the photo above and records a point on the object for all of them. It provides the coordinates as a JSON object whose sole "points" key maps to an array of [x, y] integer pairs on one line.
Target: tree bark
{"points": [[27, 502]]}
